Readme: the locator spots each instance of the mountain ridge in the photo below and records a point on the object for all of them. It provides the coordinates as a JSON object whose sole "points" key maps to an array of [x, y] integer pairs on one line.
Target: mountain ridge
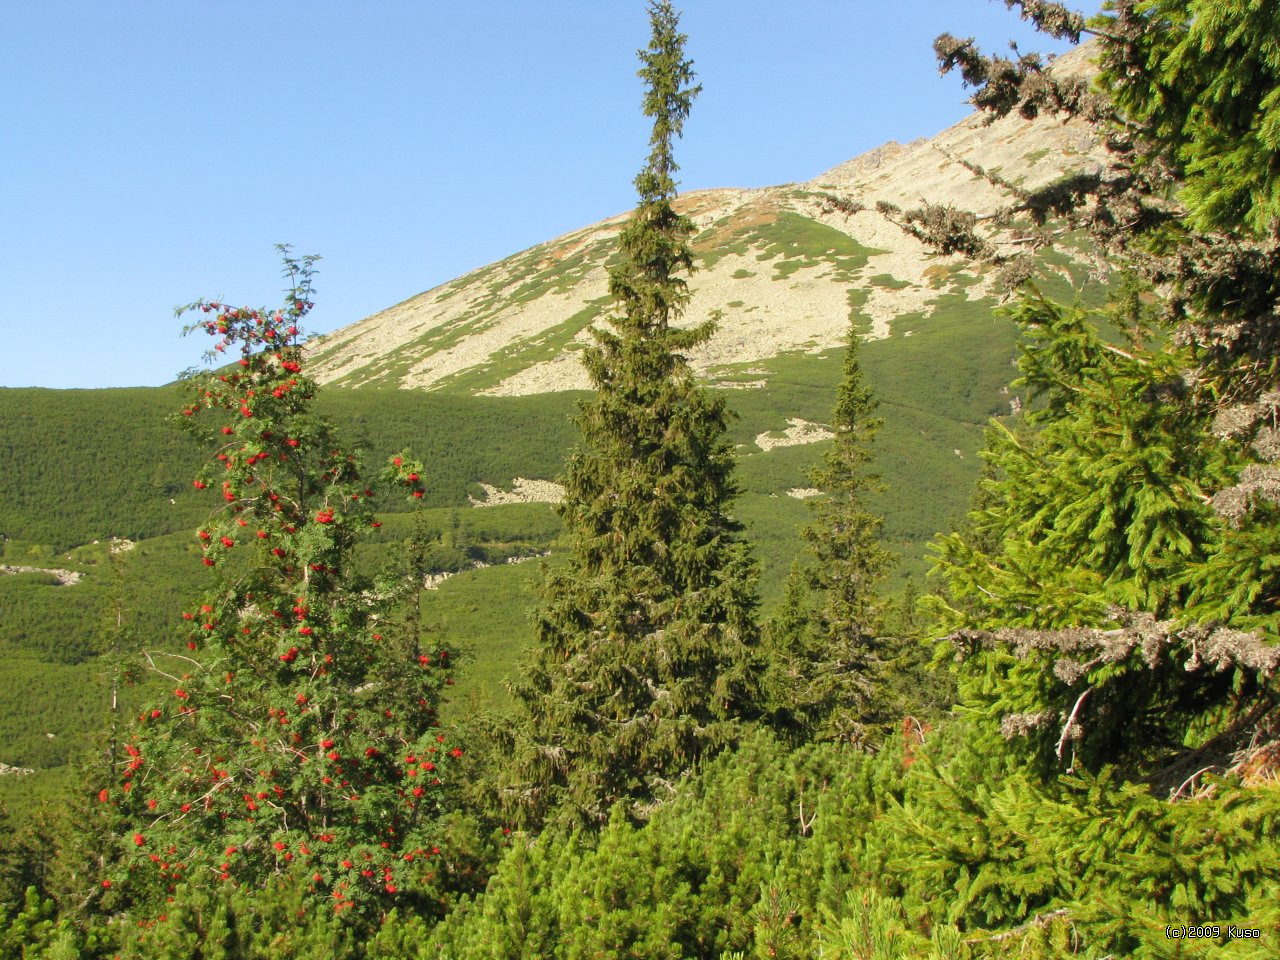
{"points": [[779, 268]]}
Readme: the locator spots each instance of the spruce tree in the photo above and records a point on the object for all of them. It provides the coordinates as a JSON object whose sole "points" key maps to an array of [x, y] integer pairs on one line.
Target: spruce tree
{"points": [[1115, 596], [645, 659], [831, 658], [1199, 78]]}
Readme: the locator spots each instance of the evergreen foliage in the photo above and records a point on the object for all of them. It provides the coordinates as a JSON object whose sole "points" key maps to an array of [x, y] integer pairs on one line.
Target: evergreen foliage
{"points": [[645, 657], [1113, 595], [827, 642], [1109, 777], [1116, 591], [275, 921], [1101, 510], [691, 881], [1202, 77], [934, 850]]}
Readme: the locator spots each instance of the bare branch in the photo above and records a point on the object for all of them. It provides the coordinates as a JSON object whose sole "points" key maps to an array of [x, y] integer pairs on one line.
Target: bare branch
{"points": [[152, 664], [1071, 730]]}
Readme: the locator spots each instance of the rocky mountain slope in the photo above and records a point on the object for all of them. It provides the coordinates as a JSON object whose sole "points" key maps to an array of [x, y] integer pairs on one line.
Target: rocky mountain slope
{"points": [[780, 269]]}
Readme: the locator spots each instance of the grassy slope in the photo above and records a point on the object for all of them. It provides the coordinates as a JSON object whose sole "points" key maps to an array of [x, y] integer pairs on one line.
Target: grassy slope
{"points": [[937, 388], [84, 465]]}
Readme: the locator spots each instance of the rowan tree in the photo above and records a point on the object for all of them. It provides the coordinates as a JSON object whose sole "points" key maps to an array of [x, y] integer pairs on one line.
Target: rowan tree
{"points": [[299, 735], [646, 645]]}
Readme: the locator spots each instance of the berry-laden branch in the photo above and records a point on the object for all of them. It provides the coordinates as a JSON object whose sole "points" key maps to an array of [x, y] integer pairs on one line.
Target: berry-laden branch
{"points": [[303, 739]]}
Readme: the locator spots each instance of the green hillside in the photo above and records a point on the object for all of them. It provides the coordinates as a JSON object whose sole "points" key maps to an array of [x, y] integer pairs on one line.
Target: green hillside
{"points": [[282, 725], [938, 388], [120, 468]]}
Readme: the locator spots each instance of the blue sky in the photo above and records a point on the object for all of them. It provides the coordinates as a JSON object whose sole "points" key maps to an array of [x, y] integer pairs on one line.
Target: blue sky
{"points": [[153, 152]]}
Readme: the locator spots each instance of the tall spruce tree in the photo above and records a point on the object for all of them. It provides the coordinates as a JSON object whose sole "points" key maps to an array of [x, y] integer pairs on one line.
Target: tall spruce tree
{"points": [[1116, 596], [645, 660], [831, 660]]}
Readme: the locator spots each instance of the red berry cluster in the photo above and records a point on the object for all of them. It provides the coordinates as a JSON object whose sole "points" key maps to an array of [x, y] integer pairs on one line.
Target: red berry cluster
{"points": [[407, 473], [305, 733]]}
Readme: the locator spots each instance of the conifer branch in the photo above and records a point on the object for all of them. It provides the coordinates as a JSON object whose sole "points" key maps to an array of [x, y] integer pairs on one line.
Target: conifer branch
{"points": [[1039, 921]]}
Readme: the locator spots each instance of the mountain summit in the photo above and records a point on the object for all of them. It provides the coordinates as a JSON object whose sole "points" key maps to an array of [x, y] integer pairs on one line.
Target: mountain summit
{"points": [[780, 269]]}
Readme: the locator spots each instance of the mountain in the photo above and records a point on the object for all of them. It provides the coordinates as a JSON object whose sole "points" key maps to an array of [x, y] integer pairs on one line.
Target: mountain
{"points": [[472, 376], [781, 269]]}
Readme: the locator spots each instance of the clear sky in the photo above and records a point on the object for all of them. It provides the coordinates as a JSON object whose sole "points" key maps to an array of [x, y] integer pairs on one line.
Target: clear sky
{"points": [[152, 151]]}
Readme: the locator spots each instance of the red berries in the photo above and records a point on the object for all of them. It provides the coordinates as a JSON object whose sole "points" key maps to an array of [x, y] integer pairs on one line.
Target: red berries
{"points": [[281, 494]]}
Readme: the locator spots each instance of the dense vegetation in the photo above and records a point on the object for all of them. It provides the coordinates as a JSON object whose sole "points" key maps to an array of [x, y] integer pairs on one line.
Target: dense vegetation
{"points": [[1090, 770], [831, 657], [932, 405], [645, 661], [129, 476]]}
